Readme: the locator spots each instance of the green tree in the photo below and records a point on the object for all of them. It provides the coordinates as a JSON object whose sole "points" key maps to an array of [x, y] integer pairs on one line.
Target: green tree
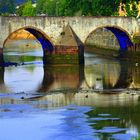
{"points": [[28, 9], [77, 7], [40, 6], [104, 7], [46, 7], [51, 8], [87, 7], [62, 8], [7, 6], [131, 8], [19, 11], [69, 7]]}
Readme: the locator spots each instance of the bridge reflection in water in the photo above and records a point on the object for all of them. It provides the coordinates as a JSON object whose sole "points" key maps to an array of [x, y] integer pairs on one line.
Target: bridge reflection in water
{"points": [[62, 77], [76, 85], [101, 75]]}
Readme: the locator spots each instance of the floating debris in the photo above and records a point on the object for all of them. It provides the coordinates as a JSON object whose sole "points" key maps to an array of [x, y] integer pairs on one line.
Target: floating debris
{"points": [[86, 96], [22, 98]]}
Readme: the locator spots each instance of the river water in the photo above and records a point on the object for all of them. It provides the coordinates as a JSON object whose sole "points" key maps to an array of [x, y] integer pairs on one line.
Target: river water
{"points": [[98, 101]]}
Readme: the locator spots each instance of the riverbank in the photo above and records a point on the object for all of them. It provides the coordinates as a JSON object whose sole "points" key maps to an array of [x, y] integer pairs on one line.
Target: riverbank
{"points": [[111, 53]]}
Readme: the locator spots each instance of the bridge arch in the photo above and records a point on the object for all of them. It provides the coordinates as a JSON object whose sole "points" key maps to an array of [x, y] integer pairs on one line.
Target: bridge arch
{"points": [[123, 37], [44, 40]]}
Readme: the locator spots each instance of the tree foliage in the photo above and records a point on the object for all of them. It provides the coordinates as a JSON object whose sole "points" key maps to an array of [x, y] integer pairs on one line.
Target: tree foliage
{"points": [[26, 9], [40, 6], [131, 9], [7, 6], [104, 7], [70, 7]]}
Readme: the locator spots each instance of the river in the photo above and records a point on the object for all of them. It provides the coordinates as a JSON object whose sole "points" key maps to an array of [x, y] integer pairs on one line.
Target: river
{"points": [[98, 101]]}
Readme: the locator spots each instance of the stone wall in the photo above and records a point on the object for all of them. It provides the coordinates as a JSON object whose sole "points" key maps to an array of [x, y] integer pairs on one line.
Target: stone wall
{"points": [[103, 38], [52, 26]]}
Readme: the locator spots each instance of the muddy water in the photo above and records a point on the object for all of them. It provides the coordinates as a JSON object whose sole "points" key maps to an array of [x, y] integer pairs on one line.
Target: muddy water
{"points": [[98, 101]]}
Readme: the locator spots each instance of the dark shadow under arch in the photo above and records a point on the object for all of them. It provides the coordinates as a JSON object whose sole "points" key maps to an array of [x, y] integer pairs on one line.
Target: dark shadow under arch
{"points": [[123, 80], [44, 40], [57, 74], [122, 36]]}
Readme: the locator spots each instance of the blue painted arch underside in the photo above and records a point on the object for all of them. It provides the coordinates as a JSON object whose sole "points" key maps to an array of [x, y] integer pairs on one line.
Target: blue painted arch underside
{"points": [[123, 38], [46, 44]]}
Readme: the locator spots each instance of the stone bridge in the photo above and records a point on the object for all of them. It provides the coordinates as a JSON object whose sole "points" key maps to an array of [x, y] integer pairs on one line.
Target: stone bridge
{"points": [[48, 29]]}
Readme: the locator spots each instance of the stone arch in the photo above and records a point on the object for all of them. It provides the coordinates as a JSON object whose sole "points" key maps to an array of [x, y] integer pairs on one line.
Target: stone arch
{"points": [[44, 40], [123, 37]]}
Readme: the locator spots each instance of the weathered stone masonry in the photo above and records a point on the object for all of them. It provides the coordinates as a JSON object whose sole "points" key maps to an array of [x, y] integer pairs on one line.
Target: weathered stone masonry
{"points": [[52, 27]]}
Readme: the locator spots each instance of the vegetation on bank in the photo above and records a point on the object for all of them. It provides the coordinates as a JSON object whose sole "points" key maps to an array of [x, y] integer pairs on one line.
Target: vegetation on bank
{"points": [[71, 7]]}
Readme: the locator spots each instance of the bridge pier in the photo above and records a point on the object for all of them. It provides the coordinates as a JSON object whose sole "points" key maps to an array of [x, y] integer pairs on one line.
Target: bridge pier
{"points": [[1, 57], [62, 77], [1, 75], [69, 49], [63, 59]]}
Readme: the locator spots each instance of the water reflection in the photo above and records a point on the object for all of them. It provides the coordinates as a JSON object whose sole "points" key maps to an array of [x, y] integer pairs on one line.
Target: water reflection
{"points": [[1, 75], [3, 87], [108, 74], [129, 75], [110, 116], [102, 75], [62, 77], [23, 78], [128, 117], [105, 74]]}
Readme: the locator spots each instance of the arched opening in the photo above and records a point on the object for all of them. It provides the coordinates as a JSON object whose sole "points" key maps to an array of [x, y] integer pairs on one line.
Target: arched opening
{"points": [[102, 75], [28, 34], [110, 38], [31, 45], [43, 39]]}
